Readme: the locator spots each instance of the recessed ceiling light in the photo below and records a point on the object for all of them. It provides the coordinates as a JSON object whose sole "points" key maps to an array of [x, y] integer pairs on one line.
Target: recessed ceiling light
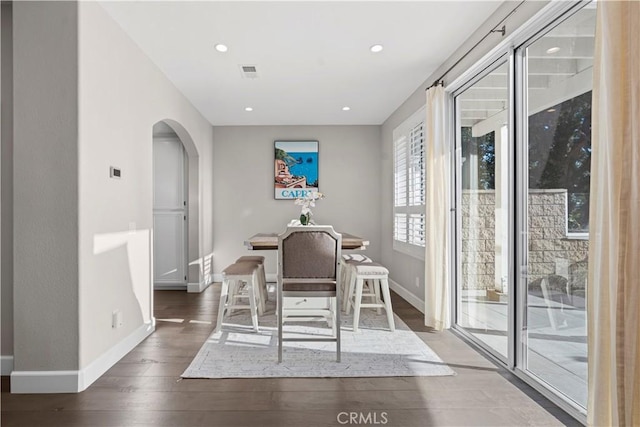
{"points": [[553, 49], [551, 110], [376, 48], [248, 109], [346, 108], [221, 47]]}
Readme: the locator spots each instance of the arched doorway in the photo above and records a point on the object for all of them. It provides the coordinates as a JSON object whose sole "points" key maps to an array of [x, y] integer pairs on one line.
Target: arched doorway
{"points": [[176, 209]]}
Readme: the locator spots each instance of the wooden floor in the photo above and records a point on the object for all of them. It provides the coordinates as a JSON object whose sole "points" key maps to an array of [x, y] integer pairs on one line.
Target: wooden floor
{"points": [[145, 388]]}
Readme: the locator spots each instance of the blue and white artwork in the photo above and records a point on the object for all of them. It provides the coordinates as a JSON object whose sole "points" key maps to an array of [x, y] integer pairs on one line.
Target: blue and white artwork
{"points": [[296, 169]]}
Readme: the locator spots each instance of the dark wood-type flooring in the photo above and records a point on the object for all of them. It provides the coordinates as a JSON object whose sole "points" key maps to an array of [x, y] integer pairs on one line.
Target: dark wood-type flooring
{"points": [[145, 388]]}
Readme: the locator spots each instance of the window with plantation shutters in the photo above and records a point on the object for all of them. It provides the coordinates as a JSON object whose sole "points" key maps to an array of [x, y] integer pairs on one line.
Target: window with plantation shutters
{"points": [[409, 186]]}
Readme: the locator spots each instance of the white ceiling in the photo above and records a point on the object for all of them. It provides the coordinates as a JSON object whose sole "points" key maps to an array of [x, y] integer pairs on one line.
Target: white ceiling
{"points": [[312, 58]]}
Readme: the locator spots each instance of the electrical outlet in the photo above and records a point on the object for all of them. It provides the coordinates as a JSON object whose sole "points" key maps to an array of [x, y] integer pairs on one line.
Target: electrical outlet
{"points": [[417, 282], [116, 319]]}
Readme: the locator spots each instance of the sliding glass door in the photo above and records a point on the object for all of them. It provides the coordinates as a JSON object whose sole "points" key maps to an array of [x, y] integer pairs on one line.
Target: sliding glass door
{"points": [[558, 70], [522, 160], [482, 136]]}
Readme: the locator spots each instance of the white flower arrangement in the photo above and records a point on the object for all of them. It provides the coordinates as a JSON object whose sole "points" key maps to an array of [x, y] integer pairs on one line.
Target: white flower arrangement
{"points": [[307, 202]]}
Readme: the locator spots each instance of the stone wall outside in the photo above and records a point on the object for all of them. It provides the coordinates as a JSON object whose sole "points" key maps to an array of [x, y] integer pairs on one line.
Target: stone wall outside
{"points": [[550, 251], [478, 239]]}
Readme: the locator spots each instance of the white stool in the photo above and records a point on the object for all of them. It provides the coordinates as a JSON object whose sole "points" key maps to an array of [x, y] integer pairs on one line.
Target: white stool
{"points": [[232, 279], [378, 275], [347, 262], [264, 294]]}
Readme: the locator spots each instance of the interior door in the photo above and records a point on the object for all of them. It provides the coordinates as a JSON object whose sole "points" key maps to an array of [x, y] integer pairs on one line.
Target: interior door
{"points": [[169, 214]]}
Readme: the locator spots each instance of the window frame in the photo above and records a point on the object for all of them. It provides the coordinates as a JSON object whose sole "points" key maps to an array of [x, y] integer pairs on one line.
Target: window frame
{"points": [[403, 134]]}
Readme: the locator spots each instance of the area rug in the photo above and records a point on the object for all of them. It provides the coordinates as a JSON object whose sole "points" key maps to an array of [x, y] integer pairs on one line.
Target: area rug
{"points": [[374, 351]]}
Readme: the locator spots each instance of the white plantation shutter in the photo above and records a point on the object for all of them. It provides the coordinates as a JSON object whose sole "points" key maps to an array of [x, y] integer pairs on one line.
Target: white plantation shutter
{"points": [[416, 229], [400, 169], [416, 167], [400, 227], [409, 186]]}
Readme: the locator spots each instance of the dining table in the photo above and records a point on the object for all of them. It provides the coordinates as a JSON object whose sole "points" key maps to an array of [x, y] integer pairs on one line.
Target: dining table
{"points": [[269, 242]]}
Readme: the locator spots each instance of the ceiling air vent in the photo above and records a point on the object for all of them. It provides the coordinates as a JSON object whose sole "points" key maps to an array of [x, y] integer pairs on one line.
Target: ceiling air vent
{"points": [[249, 71]]}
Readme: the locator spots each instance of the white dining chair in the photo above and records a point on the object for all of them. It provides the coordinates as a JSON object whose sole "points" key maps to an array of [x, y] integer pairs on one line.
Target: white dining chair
{"points": [[309, 267]]}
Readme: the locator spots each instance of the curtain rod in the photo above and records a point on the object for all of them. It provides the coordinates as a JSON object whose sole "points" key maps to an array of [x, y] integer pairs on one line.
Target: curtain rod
{"points": [[502, 30]]}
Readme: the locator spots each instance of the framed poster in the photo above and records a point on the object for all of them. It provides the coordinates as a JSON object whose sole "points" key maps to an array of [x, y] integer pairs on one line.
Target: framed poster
{"points": [[296, 169]]}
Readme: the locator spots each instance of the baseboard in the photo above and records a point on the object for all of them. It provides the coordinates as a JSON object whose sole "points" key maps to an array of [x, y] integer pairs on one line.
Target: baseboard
{"points": [[45, 382], [103, 363], [77, 381], [196, 288], [169, 287], [6, 365], [407, 296]]}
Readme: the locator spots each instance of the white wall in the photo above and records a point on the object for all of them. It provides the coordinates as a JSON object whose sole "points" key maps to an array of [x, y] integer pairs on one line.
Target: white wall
{"points": [[244, 195], [6, 77], [45, 186], [86, 98], [121, 96]]}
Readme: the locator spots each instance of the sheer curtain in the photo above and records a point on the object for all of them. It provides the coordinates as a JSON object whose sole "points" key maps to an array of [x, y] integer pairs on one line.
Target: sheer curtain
{"points": [[614, 257], [437, 287]]}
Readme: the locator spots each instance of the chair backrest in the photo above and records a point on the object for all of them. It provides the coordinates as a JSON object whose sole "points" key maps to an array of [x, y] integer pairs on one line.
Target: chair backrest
{"points": [[309, 252]]}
